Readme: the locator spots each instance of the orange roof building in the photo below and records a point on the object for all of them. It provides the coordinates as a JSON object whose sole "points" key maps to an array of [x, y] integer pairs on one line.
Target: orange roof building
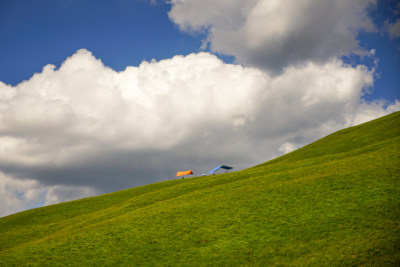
{"points": [[184, 173]]}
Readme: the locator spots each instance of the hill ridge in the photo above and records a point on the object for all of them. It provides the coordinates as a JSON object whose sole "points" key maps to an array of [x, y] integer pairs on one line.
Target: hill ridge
{"points": [[303, 208]]}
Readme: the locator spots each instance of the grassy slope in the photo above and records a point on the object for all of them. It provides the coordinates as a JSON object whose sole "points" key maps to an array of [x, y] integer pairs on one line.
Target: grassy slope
{"points": [[334, 202]]}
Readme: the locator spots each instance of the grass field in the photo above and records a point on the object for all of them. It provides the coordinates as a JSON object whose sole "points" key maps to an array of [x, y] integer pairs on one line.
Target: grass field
{"points": [[335, 202]]}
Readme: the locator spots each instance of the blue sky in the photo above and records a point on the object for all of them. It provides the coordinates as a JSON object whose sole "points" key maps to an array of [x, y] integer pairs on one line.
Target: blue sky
{"points": [[121, 33], [85, 110], [124, 33], [387, 86]]}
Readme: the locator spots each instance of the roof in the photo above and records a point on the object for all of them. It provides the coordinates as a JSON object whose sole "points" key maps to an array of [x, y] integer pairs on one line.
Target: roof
{"points": [[184, 173], [220, 167]]}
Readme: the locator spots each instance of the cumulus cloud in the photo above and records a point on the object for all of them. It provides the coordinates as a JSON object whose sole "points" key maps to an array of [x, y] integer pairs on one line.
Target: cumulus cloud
{"points": [[276, 34], [20, 194], [393, 29], [287, 147], [17, 195], [60, 193], [85, 129], [391, 25]]}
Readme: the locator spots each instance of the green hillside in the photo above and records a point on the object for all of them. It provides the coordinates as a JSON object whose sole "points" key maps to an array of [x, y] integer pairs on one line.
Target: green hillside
{"points": [[335, 202]]}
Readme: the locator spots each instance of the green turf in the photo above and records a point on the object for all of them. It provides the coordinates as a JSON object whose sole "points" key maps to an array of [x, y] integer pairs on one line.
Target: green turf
{"points": [[335, 202]]}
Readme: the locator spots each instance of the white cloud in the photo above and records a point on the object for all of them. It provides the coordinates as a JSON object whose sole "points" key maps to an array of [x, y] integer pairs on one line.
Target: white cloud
{"points": [[273, 34], [393, 29], [287, 147], [20, 194], [199, 15], [57, 194], [85, 129], [17, 195]]}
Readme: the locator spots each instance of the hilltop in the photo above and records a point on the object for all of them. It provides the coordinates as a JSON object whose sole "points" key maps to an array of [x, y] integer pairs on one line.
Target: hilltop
{"points": [[334, 202]]}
